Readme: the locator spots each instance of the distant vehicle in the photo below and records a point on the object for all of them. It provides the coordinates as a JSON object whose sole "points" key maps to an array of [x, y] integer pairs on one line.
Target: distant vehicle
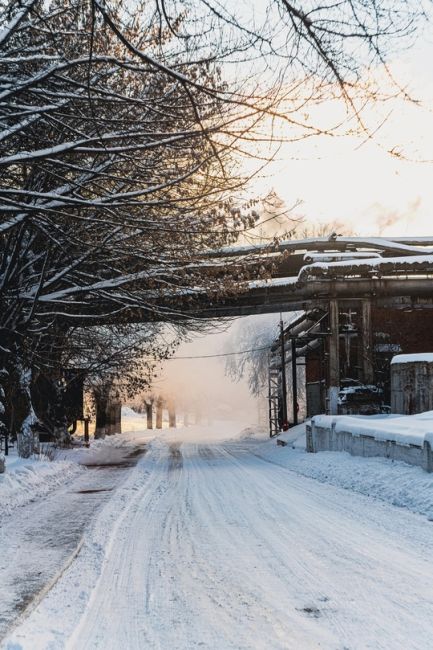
{"points": [[357, 398]]}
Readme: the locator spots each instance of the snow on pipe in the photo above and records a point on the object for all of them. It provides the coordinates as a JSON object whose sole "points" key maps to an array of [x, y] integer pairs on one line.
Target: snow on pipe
{"points": [[404, 245], [416, 264]]}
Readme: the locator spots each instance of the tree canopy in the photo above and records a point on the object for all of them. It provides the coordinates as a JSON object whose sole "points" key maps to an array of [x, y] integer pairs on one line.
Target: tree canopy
{"points": [[121, 130]]}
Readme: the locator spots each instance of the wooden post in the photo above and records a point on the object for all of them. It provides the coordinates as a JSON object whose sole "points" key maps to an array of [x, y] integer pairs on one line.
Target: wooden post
{"points": [[333, 357], [367, 342]]}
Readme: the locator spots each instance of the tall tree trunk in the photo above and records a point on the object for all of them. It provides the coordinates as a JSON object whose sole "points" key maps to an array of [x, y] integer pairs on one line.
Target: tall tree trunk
{"points": [[108, 412], [101, 401], [159, 404], [149, 414], [114, 408], [171, 414]]}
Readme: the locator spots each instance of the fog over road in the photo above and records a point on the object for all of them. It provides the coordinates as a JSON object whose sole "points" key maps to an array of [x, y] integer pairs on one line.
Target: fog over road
{"points": [[213, 546]]}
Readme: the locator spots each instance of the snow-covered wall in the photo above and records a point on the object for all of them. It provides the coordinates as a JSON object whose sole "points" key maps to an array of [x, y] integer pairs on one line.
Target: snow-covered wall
{"points": [[407, 439]]}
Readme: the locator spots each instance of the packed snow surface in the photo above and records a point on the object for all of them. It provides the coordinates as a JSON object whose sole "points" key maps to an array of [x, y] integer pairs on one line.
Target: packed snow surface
{"points": [[218, 541]]}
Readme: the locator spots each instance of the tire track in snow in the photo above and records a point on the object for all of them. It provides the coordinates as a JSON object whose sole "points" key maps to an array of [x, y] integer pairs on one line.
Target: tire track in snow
{"points": [[219, 549]]}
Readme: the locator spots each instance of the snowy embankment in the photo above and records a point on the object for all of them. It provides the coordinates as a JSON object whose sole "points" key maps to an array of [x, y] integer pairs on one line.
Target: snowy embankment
{"points": [[48, 627], [395, 482], [402, 429], [28, 479]]}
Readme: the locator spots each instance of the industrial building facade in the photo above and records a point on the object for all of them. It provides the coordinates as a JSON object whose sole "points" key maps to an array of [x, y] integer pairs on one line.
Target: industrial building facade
{"points": [[336, 358]]}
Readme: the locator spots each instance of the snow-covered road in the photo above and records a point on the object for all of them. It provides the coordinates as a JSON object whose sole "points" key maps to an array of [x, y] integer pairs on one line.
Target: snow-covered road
{"points": [[212, 546]]}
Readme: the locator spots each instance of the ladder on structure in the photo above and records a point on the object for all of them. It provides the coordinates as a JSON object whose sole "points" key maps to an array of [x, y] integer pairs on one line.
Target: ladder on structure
{"points": [[274, 382]]}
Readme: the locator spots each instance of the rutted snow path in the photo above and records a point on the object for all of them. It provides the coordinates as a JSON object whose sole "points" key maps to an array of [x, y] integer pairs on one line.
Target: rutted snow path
{"points": [[217, 548]]}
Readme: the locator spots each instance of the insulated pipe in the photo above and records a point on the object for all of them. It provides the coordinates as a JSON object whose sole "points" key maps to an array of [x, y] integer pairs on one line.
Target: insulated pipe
{"points": [[301, 324], [261, 298], [313, 327], [293, 296], [403, 245], [300, 352], [421, 264]]}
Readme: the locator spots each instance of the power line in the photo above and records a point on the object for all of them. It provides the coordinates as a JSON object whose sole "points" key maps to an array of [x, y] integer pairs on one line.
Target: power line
{"points": [[213, 356]]}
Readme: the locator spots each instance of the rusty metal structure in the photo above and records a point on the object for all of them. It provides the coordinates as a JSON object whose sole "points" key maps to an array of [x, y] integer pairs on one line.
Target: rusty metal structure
{"points": [[363, 300]]}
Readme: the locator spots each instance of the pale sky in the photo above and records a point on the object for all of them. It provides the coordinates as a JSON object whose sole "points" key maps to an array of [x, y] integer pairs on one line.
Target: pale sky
{"points": [[361, 184], [337, 179]]}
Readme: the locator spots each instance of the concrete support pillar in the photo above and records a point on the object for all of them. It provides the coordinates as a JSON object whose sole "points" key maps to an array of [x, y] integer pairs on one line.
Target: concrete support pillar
{"points": [[367, 342], [333, 357]]}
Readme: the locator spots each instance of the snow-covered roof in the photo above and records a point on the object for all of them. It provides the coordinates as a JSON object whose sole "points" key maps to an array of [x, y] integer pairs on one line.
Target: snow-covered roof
{"points": [[421, 357]]}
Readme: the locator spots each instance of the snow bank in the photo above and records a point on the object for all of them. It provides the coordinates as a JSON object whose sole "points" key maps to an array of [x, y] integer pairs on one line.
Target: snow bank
{"points": [[29, 479], [47, 626], [394, 482], [404, 429]]}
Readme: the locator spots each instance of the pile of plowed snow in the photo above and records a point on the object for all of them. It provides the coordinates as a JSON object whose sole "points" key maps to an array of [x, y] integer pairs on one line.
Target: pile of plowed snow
{"points": [[27, 479]]}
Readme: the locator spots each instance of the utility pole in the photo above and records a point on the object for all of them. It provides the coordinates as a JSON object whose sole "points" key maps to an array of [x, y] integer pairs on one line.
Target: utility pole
{"points": [[284, 424], [294, 383]]}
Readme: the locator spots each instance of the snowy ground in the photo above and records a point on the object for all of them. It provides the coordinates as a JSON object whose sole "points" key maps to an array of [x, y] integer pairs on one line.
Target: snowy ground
{"points": [[224, 542], [396, 483], [28, 479], [45, 508]]}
